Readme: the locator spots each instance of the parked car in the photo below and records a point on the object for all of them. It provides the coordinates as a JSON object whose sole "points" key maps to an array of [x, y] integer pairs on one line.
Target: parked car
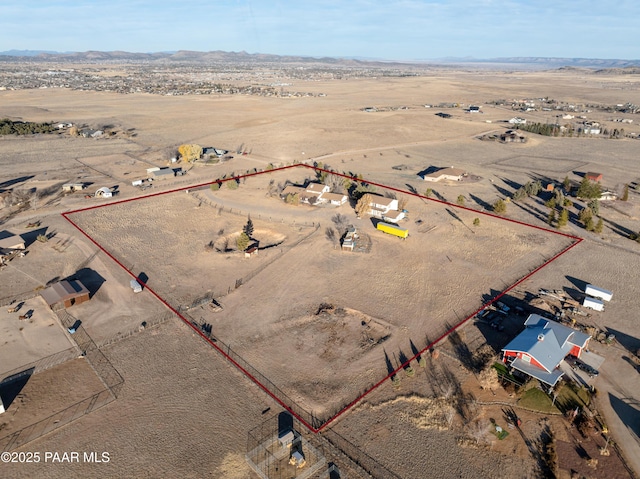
{"points": [[591, 371]]}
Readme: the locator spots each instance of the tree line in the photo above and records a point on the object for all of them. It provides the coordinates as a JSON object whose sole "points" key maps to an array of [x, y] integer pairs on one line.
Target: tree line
{"points": [[10, 127]]}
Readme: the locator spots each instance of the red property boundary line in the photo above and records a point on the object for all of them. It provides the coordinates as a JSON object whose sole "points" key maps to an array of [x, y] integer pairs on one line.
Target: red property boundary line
{"points": [[576, 240]]}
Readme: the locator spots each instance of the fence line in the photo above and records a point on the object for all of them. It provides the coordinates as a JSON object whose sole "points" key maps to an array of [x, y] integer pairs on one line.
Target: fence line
{"points": [[289, 404], [40, 365], [56, 420], [16, 298], [145, 325], [332, 447], [239, 212], [27, 295], [98, 361], [358, 456], [103, 368]]}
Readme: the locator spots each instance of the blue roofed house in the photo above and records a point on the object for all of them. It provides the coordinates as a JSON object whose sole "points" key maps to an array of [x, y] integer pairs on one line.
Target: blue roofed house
{"points": [[542, 346]]}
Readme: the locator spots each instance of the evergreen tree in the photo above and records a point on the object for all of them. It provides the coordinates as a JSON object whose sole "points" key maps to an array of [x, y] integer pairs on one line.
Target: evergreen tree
{"points": [[589, 189], [564, 218], [243, 241], [248, 228], [585, 215], [599, 226], [552, 217], [625, 194]]}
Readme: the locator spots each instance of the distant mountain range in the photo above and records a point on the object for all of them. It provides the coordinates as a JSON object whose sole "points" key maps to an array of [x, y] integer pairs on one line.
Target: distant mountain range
{"points": [[185, 56]]}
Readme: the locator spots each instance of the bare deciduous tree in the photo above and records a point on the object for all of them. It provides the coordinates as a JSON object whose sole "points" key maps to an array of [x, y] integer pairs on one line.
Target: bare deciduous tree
{"points": [[364, 204]]}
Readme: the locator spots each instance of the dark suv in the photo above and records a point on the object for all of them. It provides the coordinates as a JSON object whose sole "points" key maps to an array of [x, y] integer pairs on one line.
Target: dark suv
{"points": [[591, 371]]}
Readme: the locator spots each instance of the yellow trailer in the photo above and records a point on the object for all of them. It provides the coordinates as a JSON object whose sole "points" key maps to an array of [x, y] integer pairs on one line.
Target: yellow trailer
{"points": [[394, 230]]}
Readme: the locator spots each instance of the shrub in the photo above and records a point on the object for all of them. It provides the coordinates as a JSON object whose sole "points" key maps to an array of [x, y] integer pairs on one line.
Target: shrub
{"points": [[232, 184], [476, 222], [460, 200], [500, 207]]}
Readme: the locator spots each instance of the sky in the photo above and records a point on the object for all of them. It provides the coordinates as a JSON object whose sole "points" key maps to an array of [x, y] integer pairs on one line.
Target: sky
{"points": [[388, 29]]}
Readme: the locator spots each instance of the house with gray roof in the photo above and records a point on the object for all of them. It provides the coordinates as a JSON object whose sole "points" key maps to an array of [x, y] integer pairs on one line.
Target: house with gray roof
{"points": [[542, 346]]}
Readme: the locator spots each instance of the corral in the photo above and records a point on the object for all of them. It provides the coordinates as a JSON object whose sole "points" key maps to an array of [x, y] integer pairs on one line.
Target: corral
{"points": [[321, 359]]}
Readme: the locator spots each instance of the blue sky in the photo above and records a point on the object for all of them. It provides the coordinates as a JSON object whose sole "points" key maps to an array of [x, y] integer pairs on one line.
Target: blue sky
{"points": [[391, 29]]}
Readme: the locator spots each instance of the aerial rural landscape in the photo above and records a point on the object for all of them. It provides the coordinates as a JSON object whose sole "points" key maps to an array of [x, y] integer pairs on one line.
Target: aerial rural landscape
{"points": [[262, 266]]}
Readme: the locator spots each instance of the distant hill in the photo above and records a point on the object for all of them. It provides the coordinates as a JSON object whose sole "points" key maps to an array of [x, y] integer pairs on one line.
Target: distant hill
{"points": [[186, 56], [25, 53]]}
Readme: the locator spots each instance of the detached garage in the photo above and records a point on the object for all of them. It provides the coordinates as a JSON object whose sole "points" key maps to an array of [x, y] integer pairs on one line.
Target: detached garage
{"points": [[65, 294]]}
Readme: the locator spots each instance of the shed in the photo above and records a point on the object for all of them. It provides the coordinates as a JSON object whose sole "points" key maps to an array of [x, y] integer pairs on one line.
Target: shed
{"points": [[297, 459], [71, 187], [162, 174], [285, 438], [135, 286], [591, 176], [65, 294], [251, 251]]}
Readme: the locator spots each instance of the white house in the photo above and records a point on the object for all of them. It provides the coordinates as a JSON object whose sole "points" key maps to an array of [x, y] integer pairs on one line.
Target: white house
{"points": [[385, 209], [450, 173], [336, 199], [516, 120], [317, 188], [383, 204], [315, 194], [393, 216]]}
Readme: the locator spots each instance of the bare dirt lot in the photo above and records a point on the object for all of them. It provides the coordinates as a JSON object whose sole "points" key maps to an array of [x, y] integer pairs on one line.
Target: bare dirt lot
{"points": [[296, 349], [183, 410], [32, 399]]}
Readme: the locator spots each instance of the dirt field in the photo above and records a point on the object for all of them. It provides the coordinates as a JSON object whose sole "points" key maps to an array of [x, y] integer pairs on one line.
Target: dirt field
{"points": [[30, 339], [408, 289], [37, 397], [463, 266]]}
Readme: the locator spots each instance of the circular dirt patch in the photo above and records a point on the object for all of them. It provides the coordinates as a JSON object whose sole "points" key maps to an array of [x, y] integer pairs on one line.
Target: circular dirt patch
{"points": [[265, 238]]}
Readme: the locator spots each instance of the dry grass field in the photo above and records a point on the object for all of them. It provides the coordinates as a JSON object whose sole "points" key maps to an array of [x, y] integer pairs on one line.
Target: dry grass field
{"points": [[183, 410], [323, 361]]}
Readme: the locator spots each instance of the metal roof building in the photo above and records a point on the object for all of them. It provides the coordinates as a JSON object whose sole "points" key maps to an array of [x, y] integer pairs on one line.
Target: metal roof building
{"points": [[65, 294], [542, 346]]}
